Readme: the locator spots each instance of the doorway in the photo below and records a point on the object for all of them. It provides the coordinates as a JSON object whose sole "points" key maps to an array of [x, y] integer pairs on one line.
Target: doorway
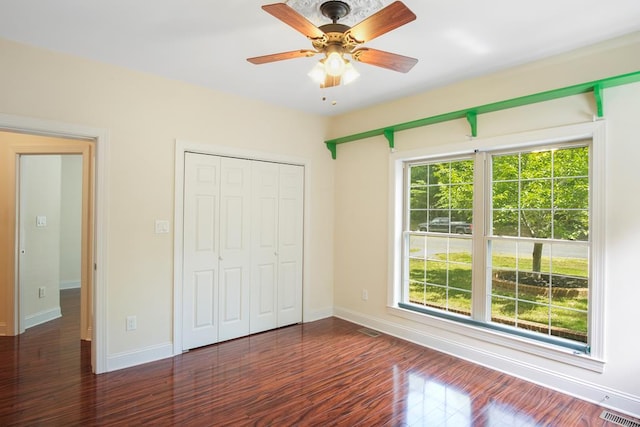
{"points": [[12, 147], [49, 235]]}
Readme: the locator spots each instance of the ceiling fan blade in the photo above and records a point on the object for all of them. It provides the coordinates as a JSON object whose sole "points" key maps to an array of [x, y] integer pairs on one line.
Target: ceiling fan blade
{"points": [[330, 81], [391, 17], [383, 59], [281, 56], [289, 16]]}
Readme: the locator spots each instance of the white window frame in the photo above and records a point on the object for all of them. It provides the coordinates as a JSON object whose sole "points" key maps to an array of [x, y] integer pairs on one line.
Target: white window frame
{"points": [[596, 132]]}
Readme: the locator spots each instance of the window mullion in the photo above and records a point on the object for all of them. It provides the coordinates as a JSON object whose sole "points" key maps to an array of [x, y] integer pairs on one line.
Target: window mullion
{"points": [[480, 298]]}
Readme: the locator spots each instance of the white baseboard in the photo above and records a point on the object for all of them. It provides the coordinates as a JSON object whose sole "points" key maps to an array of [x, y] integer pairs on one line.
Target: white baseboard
{"points": [[69, 284], [138, 357], [585, 390], [42, 317]]}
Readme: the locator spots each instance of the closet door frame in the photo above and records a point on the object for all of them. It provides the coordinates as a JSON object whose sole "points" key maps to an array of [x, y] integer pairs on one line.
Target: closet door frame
{"points": [[182, 147]]}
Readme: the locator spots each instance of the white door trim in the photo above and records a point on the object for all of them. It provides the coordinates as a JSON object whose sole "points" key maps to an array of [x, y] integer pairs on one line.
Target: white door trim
{"points": [[183, 146], [101, 138]]}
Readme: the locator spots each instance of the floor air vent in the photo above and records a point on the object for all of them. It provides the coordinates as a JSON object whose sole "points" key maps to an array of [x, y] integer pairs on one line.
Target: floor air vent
{"points": [[619, 420], [372, 333]]}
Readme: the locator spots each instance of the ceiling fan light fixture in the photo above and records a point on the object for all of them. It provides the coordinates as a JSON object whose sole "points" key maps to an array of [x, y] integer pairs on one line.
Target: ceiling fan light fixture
{"points": [[318, 73], [350, 73], [334, 63]]}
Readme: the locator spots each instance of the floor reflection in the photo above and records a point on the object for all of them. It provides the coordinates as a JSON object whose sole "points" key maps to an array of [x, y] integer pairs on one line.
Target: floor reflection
{"points": [[429, 402]]}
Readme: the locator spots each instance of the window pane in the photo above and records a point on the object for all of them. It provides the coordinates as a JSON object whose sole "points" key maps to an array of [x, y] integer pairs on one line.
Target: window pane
{"points": [[535, 165], [571, 193], [505, 223], [541, 287], [571, 225], [419, 175], [506, 167], [434, 196], [417, 217], [572, 161], [419, 197], [535, 194], [440, 273], [505, 195], [569, 324], [535, 223]]}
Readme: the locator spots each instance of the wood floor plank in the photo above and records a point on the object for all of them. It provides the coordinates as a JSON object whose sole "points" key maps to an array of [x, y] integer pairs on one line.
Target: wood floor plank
{"points": [[319, 373]]}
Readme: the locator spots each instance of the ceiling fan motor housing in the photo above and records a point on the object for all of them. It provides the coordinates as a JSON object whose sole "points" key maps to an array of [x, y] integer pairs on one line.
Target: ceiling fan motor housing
{"points": [[335, 10]]}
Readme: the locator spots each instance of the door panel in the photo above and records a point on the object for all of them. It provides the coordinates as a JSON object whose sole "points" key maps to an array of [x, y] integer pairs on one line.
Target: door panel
{"points": [[200, 254], [290, 244], [235, 247], [205, 286], [265, 178]]}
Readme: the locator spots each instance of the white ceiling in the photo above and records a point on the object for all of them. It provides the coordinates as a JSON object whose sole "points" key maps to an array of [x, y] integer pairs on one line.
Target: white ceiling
{"points": [[206, 42]]}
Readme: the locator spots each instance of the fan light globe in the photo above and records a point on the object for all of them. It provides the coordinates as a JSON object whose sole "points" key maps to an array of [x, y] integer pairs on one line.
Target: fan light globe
{"points": [[318, 74], [334, 64], [350, 74]]}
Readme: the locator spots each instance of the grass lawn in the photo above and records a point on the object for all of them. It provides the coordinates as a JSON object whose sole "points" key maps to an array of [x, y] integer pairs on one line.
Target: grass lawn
{"points": [[433, 280]]}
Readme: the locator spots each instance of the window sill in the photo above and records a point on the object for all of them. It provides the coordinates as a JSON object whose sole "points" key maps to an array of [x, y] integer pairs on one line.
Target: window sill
{"points": [[547, 351]]}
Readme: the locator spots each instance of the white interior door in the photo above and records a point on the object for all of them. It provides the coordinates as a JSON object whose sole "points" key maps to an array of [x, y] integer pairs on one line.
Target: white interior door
{"points": [[235, 247], [264, 271], [201, 252], [290, 244]]}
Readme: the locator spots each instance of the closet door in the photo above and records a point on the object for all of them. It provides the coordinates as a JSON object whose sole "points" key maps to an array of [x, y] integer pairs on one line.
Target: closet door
{"points": [[200, 254], [264, 271], [290, 244], [235, 247]]}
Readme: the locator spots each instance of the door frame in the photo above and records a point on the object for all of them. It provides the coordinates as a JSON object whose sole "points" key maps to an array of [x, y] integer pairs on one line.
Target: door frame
{"points": [[100, 138], [182, 147], [25, 146]]}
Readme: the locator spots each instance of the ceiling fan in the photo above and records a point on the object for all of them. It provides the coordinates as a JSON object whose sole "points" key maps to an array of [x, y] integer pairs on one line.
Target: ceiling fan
{"points": [[336, 40]]}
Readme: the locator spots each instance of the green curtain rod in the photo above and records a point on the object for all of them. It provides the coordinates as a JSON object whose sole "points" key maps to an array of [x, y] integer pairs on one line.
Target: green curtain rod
{"points": [[471, 114]]}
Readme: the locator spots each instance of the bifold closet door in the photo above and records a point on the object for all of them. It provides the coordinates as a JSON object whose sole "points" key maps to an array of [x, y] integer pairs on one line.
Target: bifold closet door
{"points": [[242, 256], [200, 250], [276, 274]]}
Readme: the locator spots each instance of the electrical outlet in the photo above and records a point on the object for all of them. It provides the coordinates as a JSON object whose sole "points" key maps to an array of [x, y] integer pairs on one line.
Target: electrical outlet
{"points": [[365, 295], [132, 323], [42, 292]]}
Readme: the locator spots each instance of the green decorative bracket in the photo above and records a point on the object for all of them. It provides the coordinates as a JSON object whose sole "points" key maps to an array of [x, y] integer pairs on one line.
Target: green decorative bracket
{"points": [[471, 114], [390, 135], [333, 147], [472, 118], [598, 95]]}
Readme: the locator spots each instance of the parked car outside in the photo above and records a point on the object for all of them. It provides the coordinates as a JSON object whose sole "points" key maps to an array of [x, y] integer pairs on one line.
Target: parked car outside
{"points": [[443, 225]]}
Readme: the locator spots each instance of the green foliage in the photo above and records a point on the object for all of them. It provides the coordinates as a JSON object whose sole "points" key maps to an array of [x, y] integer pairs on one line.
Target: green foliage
{"points": [[542, 194]]}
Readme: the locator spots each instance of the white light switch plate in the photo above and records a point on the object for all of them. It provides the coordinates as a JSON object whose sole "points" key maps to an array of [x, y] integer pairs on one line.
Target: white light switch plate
{"points": [[41, 221], [162, 226]]}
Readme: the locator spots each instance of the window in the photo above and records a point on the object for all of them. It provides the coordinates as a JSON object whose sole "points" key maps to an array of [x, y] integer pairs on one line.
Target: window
{"points": [[503, 239]]}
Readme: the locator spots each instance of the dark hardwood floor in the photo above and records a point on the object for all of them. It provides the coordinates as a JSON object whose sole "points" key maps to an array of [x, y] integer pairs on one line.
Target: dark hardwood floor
{"points": [[320, 373]]}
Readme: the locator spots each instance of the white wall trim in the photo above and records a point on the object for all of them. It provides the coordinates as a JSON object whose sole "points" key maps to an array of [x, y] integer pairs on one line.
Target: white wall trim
{"points": [[595, 393], [182, 147], [128, 359], [41, 317], [101, 138]]}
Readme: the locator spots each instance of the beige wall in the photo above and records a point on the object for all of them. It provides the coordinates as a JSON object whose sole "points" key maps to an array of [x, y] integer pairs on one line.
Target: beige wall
{"points": [[143, 116], [362, 207]]}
